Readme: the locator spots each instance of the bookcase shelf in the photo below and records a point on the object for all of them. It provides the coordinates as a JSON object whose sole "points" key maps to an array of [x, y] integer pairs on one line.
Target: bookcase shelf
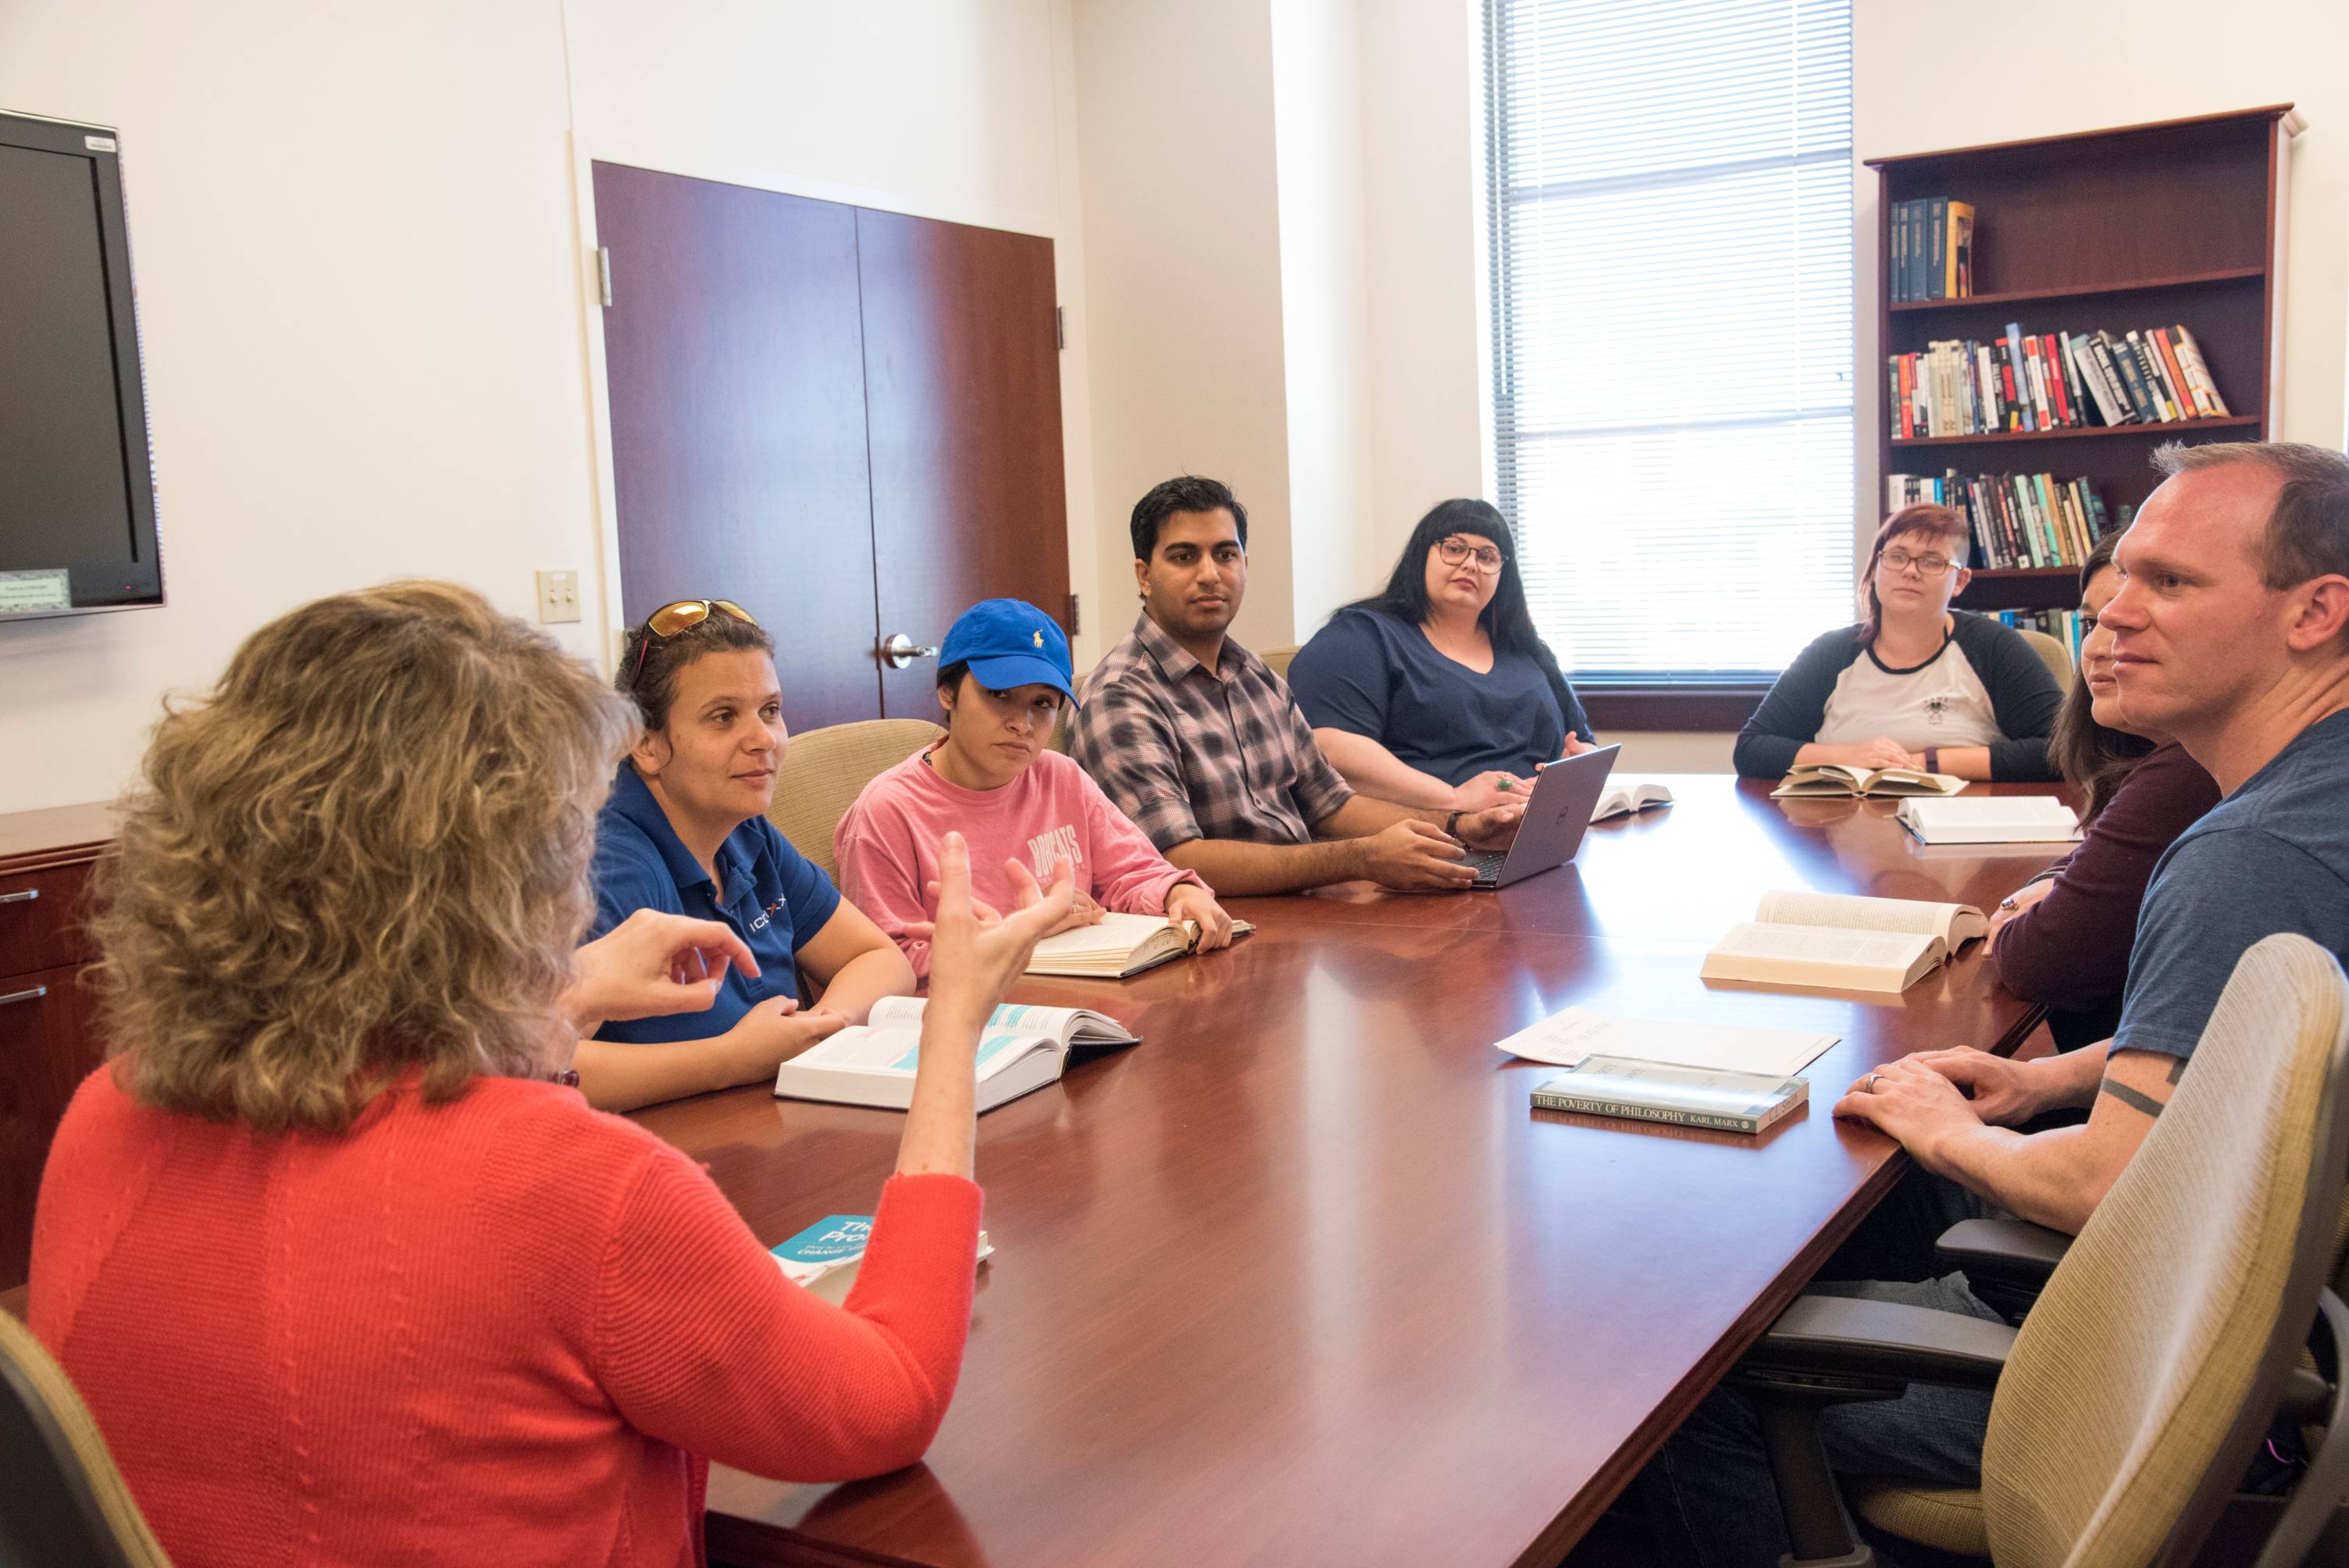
{"points": [[2175, 427], [2135, 285], [2173, 223]]}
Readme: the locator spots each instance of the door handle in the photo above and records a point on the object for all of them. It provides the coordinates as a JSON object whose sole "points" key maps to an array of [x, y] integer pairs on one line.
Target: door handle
{"points": [[902, 650], [35, 995], [24, 895]]}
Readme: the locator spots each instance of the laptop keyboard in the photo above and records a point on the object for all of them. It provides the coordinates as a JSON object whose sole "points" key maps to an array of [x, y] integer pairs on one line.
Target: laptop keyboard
{"points": [[1488, 864]]}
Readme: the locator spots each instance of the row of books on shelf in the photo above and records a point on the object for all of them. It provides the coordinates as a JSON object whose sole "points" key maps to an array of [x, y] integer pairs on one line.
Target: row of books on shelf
{"points": [[2049, 381], [1932, 250], [2063, 625], [2019, 521]]}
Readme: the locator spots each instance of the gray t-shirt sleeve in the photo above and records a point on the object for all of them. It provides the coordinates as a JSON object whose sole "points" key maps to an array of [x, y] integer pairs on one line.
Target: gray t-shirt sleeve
{"points": [[2216, 893]]}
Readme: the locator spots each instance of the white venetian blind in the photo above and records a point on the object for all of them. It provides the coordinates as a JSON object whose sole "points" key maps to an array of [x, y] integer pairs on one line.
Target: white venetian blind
{"points": [[1672, 254]]}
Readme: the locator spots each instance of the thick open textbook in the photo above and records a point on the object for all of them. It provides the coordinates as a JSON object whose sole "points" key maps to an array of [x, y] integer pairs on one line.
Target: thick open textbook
{"points": [[1577, 1034], [1022, 1047], [1118, 945], [1622, 799], [1843, 943], [1832, 779], [1989, 819], [1686, 1096]]}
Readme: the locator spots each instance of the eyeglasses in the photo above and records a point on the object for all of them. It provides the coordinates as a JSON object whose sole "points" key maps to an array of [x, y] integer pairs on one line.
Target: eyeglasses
{"points": [[1930, 565], [681, 614], [1453, 552]]}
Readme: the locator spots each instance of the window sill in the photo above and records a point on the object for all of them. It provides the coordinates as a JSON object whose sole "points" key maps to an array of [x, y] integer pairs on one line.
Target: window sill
{"points": [[1696, 704]]}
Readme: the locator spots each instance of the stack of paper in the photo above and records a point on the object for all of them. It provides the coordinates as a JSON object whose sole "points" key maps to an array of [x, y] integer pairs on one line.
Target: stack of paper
{"points": [[1569, 1037]]}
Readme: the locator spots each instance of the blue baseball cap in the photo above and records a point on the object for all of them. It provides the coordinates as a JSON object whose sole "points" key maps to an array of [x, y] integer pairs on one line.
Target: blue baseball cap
{"points": [[1010, 642]]}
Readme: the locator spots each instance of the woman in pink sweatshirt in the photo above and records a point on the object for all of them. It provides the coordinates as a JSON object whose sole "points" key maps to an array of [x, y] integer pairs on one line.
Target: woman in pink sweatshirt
{"points": [[1003, 675]]}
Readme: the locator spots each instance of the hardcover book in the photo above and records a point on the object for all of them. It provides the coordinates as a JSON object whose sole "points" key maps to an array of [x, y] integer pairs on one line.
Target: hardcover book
{"points": [[1686, 1096]]}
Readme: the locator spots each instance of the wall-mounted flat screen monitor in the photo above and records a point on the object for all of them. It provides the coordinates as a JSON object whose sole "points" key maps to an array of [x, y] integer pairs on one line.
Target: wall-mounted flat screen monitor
{"points": [[77, 489]]}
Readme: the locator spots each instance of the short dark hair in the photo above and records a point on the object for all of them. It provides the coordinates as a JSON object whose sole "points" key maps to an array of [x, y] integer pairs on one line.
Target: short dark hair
{"points": [[2307, 534], [950, 675], [650, 664], [1185, 493]]}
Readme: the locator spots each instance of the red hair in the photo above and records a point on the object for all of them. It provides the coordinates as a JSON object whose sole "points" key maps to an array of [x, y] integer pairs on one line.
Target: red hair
{"points": [[1934, 521]]}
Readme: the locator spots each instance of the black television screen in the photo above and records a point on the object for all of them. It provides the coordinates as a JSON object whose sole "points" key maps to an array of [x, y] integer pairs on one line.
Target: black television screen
{"points": [[77, 494]]}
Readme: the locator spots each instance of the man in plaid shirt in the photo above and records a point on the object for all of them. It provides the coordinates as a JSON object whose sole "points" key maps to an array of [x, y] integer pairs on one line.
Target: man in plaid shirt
{"points": [[1200, 743]]}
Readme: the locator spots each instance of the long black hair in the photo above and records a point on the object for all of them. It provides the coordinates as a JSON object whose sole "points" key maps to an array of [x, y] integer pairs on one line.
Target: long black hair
{"points": [[1506, 619], [2093, 758]]}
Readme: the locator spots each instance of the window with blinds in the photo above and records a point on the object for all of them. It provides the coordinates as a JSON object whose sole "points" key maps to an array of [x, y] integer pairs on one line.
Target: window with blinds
{"points": [[1672, 257]]}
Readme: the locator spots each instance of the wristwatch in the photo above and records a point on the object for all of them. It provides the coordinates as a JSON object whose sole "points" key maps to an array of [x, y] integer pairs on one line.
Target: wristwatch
{"points": [[1452, 825], [1932, 759]]}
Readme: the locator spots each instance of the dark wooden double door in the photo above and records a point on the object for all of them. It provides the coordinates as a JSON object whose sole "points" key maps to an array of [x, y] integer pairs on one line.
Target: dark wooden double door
{"points": [[846, 420]]}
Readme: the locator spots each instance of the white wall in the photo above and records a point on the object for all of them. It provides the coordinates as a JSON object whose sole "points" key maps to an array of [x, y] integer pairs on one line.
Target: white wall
{"points": [[1325, 270], [360, 288], [1183, 322]]}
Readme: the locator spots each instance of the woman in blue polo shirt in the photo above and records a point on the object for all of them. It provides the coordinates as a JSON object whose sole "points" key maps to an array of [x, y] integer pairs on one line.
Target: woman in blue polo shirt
{"points": [[686, 831]]}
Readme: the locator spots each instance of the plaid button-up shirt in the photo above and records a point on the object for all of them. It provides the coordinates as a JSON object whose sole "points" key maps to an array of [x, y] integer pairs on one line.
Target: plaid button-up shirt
{"points": [[1193, 753]]}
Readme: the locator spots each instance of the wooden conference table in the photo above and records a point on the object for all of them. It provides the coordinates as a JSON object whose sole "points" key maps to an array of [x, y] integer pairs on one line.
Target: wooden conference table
{"points": [[1302, 1278]]}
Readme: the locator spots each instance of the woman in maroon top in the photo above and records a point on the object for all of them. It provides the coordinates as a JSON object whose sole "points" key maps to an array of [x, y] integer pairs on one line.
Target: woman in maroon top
{"points": [[2064, 937]]}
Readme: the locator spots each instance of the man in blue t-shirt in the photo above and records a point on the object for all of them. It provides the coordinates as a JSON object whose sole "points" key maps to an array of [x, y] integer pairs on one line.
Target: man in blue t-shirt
{"points": [[2233, 636]]}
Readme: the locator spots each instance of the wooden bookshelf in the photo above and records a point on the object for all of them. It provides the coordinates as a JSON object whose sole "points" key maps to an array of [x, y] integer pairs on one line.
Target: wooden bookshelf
{"points": [[2143, 226]]}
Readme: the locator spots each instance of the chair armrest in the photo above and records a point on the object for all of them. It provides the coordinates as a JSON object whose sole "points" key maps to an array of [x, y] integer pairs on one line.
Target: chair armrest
{"points": [[2013, 1253], [1843, 1336]]}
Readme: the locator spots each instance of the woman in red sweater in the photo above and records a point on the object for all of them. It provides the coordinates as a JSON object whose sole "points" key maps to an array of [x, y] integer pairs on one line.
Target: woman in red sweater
{"points": [[342, 1275]]}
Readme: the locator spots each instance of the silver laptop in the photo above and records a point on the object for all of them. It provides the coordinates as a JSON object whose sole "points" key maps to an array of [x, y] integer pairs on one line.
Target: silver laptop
{"points": [[1558, 813]]}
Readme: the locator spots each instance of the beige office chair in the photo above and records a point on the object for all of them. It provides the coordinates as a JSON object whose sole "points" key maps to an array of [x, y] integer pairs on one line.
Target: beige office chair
{"points": [[66, 1503], [2052, 654], [823, 769], [1065, 726], [2167, 1340], [1278, 658]]}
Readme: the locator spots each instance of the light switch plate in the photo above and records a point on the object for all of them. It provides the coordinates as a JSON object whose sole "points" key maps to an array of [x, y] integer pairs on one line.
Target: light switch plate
{"points": [[558, 597]]}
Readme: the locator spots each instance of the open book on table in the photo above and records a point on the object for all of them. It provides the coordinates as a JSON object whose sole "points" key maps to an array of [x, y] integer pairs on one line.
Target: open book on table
{"points": [[1843, 943], [1835, 779], [1022, 1047], [1634, 795], [1990, 819], [1118, 945], [825, 1256]]}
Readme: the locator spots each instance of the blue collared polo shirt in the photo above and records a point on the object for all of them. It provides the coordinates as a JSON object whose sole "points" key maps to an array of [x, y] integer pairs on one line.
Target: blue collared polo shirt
{"points": [[775, 900]]}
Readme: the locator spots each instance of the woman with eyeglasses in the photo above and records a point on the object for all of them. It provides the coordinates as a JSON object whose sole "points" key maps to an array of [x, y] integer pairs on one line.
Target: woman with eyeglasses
{"points": [[1437, 691], [685, 830], [1915, 684]]}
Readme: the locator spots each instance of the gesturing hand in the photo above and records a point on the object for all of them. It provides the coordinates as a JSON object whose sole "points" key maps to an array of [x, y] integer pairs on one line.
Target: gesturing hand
{"points": [[652, 963], [976, 953]]}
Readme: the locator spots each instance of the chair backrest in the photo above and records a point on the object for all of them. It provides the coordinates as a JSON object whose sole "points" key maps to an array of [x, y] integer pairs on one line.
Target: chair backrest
{"points": [[2143, 1379], [2052, 654], [66, 1501], [823, 769], [1278, 658]]}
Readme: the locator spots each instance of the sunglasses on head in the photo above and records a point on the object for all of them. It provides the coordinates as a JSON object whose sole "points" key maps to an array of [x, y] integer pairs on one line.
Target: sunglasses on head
{"points": [[682, 614]]}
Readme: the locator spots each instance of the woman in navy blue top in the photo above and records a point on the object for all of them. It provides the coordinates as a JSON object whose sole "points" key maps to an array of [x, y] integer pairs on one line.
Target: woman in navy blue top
{"points": [[1438, 691], [686, 831]]}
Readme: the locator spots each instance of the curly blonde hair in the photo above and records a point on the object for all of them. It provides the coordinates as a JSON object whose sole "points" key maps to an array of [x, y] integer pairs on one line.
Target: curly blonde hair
{"points": [[365, 853]]}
